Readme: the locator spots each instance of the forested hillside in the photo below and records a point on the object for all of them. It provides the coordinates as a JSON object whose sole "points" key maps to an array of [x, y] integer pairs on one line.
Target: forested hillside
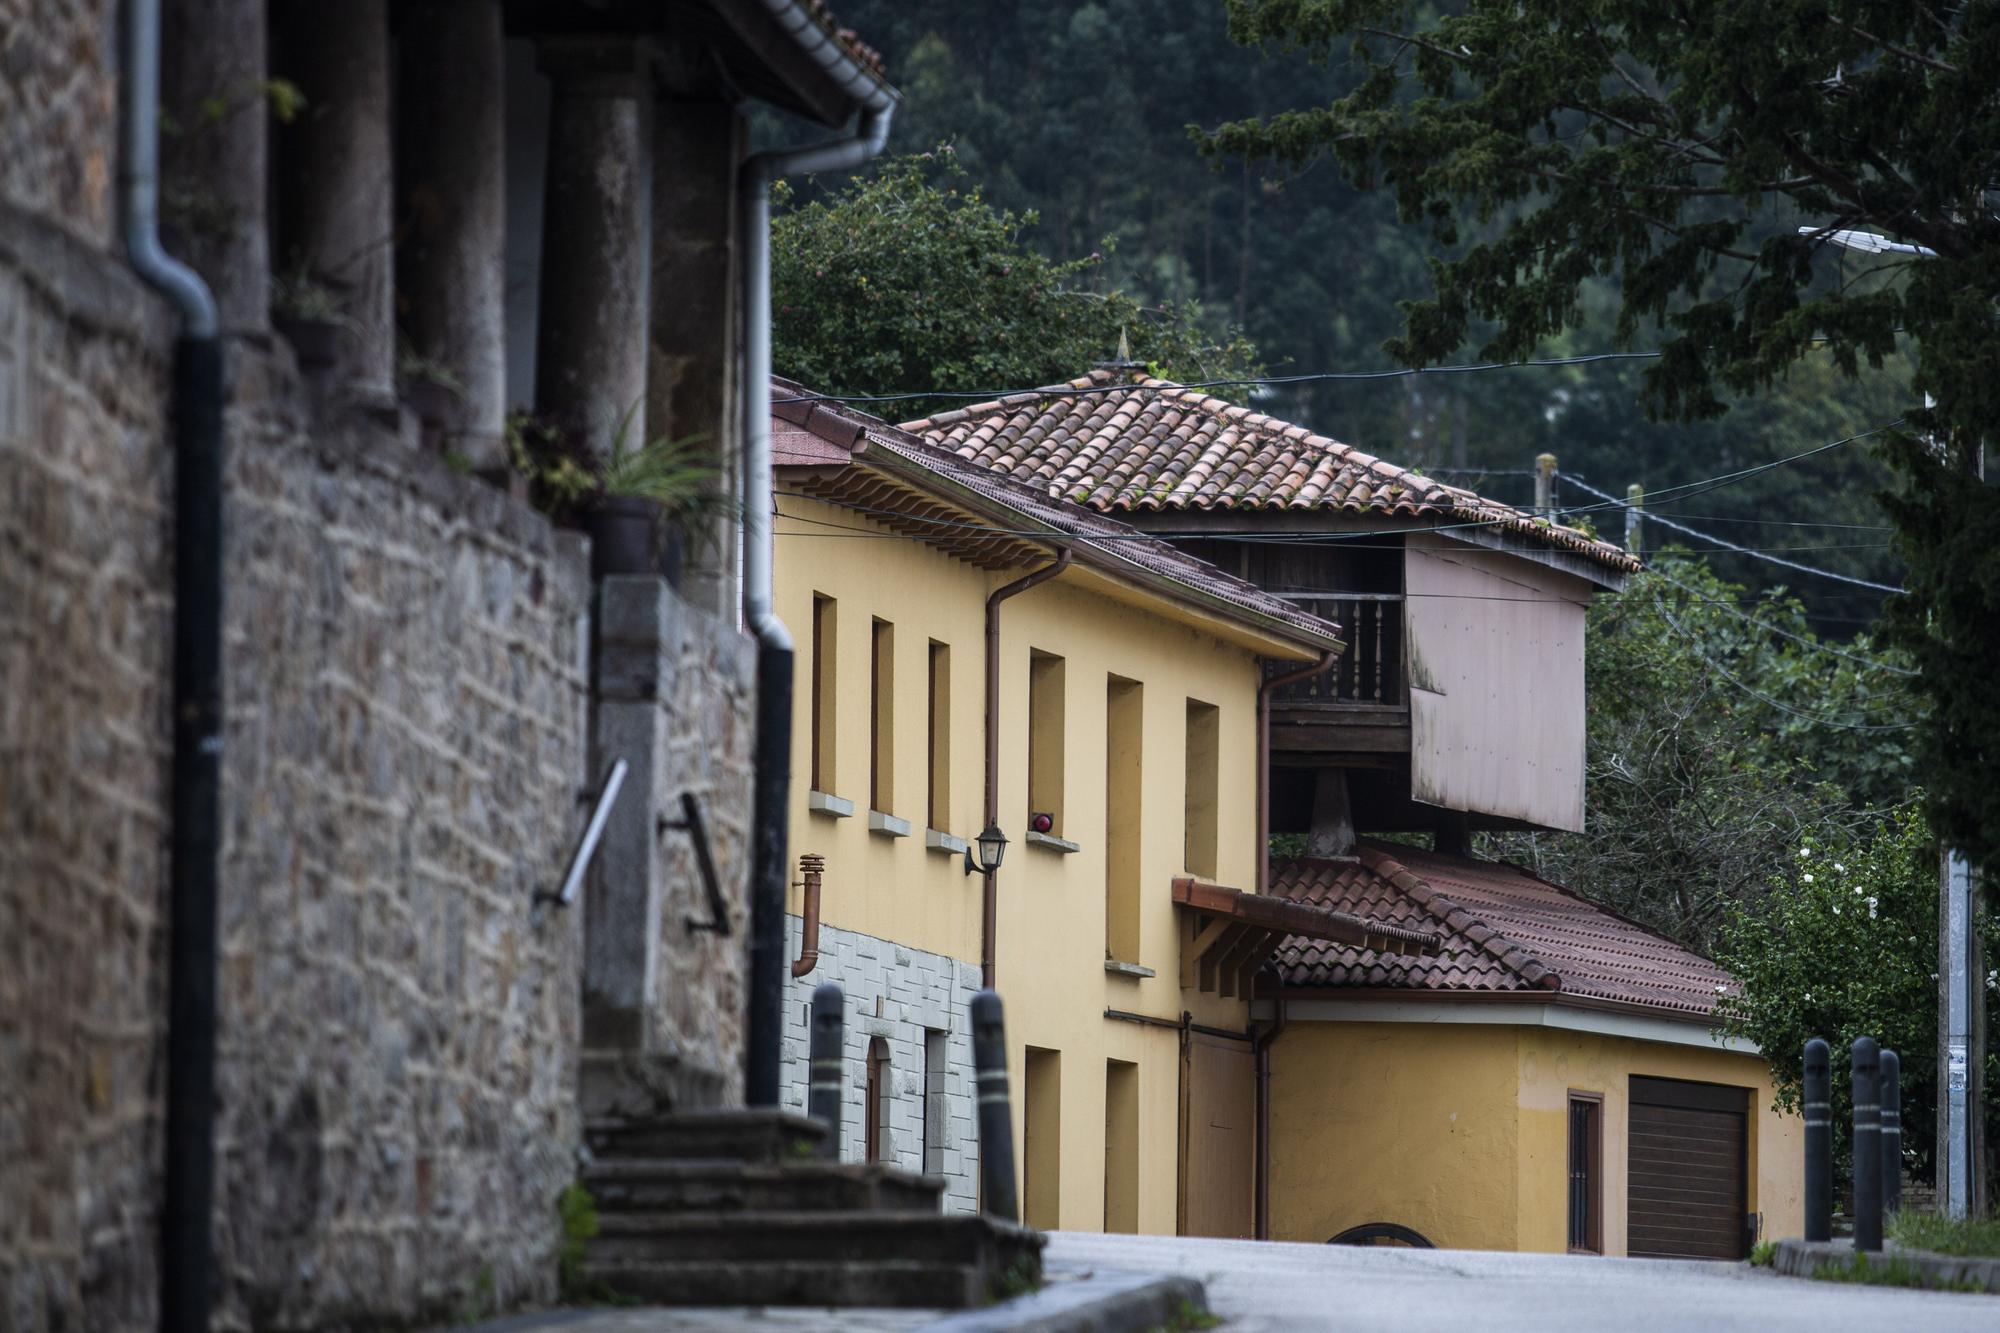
{"points": [[1082, 113]]}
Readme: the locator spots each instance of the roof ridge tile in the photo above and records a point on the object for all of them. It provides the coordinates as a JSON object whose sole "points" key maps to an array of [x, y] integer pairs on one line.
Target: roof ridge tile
{"points": [[1508, 953]]}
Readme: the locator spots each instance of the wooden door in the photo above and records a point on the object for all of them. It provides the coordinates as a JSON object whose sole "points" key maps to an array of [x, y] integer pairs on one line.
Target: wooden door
{"points": [[1687, 1170], [1218, 1137]]}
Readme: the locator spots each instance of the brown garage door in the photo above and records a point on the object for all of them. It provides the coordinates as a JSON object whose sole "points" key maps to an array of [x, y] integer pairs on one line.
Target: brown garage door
{"points": [[1685, 1168]]}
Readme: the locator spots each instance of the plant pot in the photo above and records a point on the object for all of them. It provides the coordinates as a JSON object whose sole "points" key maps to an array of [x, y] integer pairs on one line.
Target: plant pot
{"points": [[315, 341], [435, 404], [622, 536]]}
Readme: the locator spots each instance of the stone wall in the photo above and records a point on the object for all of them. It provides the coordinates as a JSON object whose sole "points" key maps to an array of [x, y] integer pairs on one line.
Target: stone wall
{"points": [[58, 110], [900, 995], [407, 656]]}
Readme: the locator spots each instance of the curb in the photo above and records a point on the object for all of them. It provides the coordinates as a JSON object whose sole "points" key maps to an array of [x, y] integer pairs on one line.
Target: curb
{"points": [[1806, 1258], [1099, 1302]]}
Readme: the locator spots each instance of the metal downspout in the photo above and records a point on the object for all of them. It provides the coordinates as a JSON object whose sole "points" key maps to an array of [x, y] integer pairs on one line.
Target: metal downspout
{"points": [[1264, 692], [989, 894], [767, 961], [187, 1207], [1261, 1047]]}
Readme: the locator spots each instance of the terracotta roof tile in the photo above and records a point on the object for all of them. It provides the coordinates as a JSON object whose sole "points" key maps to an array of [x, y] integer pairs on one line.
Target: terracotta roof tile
{"points": [[1502, 929], [1133, 443]]}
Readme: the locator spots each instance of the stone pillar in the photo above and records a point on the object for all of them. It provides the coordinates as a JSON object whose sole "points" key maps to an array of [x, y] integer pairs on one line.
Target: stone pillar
{"points": [[452, 179], [692, 367], [217, 157], [335, 182], [590, 356]]}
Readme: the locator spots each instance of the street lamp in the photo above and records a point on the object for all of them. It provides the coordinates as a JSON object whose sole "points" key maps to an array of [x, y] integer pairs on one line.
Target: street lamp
{"points": [[992, 849]]}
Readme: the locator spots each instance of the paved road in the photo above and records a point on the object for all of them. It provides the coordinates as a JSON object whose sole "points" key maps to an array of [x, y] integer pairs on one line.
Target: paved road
{"points": [[1260, 1286]]}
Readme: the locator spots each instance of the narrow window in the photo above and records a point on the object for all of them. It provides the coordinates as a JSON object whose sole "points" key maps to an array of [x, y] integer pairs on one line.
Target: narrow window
{"points": [[1204, 735], [875, 1105], [935, 1112], [1124, 723], [1586, 1154], [1041, 1140], [824, 629], [882, 717], [1045, 740], [937, 801], [1121, 1146]]}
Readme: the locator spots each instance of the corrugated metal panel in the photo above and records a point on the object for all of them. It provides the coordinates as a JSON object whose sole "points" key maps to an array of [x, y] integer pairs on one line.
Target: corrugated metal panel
{"points": [[1496, 683]]}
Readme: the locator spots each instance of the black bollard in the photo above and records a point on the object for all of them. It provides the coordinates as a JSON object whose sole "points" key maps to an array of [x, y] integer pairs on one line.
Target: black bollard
{"points": [[1892, 1133], [1867, 1145], [826, 1069], [1818, 1106], [996, 1116]]}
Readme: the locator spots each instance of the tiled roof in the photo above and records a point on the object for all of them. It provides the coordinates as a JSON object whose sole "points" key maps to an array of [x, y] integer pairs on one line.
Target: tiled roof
{"points": [[825, 437], [1126, 442], [1502, 929]]}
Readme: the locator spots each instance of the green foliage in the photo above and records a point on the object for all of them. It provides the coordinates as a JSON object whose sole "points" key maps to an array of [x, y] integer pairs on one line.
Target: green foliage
{"points": [[1844, 946], [910, 281], [1763, 1253], [1892, 1271], [577, 1212], [564, 477], [1545, 146], [1965, 1236]]}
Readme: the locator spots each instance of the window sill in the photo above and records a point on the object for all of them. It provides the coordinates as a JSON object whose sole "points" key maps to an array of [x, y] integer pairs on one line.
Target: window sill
{"points": [[1132, 970], [1049, 842], [826, 803], [887, 826], [949, 843]]}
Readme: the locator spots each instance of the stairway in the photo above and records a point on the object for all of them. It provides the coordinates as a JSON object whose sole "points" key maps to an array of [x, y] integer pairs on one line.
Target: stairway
{"points": [[737, 1208]]}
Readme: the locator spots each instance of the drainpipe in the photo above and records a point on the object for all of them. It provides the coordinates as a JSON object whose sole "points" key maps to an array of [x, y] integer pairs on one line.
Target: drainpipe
{"points": [[774, 642], [811, 867], [989, 896], [1260, 1046], [1264, 692], [186, 1215]]}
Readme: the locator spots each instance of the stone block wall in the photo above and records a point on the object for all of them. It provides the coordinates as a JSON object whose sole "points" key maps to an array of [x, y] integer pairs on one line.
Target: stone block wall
{"points": [[901, 995], [59, 110], [407, 655]]}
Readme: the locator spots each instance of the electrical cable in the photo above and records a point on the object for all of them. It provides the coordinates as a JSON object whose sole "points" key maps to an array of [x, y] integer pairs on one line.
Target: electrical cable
{"points": [[1782, 632]]}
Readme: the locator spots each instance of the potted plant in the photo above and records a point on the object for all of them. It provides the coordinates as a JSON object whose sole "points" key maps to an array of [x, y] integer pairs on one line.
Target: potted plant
{"points": [[432, 391], [306, 311]]}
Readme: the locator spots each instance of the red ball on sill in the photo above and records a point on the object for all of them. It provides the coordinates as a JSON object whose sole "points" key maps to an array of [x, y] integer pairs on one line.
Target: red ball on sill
{"points": [[1042, 821]]}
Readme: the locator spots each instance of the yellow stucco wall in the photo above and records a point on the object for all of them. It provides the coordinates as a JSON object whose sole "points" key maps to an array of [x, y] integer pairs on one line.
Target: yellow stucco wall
{"points": [[1051, 938], [1460, 1130]]}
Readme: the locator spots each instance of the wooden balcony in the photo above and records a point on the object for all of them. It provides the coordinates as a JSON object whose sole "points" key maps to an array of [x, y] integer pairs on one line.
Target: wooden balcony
{"points": [[1362, 706]]}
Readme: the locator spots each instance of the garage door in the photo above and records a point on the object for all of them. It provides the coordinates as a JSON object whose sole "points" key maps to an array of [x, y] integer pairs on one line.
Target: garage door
{"points": [[1685, 1168]]}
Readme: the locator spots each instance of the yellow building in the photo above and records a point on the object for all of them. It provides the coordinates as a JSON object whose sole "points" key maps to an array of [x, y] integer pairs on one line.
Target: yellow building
{"points": [[1125, 680], [1546, 1081]]}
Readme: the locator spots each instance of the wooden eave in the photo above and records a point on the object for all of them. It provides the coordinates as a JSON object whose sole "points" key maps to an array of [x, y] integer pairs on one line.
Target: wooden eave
{"points": [[1227, 934], [916, 512]]}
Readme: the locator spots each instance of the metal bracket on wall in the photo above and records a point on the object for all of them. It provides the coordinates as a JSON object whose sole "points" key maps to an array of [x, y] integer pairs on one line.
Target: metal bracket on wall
{"points": [[593, 833], [697, 832]]}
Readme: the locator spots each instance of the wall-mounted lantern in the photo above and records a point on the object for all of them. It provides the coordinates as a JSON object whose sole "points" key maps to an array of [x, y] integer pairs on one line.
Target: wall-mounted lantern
{"points": [[992, 848]]}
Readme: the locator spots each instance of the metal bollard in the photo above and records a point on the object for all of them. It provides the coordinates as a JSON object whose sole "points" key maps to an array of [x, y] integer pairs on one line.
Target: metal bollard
{"points": [[1866, 1058], [996, 1116], [1892, 1133], [1818, 1106], [827, 1070]]}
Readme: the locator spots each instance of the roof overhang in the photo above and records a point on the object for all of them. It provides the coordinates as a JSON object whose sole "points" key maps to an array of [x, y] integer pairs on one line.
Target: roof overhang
{"points": [[1230, 933], [1503, 1009]]}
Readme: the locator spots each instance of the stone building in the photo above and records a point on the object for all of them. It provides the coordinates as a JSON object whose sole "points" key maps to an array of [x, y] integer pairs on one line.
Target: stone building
{"points": [[535, 204]]}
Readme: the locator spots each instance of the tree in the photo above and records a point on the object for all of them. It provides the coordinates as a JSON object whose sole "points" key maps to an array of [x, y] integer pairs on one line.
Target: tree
{"points": [[1681, 147], [1722, 733], [908, 281]]}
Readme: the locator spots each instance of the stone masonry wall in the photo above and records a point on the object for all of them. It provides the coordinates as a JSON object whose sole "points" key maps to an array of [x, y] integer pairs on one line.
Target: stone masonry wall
{"points": [[899, 994], [407, 656], [59, 110]]}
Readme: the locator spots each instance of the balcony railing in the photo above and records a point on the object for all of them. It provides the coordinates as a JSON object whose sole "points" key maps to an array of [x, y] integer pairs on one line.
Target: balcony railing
{"points": [[1370, 672]]}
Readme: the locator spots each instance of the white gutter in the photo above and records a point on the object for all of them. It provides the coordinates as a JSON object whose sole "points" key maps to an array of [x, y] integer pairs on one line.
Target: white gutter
{"points": [[1552, 1014]]}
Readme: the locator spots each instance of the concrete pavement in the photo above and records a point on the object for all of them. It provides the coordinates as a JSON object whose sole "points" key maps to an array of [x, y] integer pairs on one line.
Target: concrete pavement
{"points": [[1261, 1286]]}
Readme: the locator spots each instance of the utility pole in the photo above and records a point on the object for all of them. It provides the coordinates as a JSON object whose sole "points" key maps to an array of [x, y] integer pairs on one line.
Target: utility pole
{"points": [[1635, 508], [1545, 486]]}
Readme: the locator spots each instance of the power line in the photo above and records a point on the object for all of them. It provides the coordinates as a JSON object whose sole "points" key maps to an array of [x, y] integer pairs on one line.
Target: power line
{"points": [[1728, 545], [1780, 630]]}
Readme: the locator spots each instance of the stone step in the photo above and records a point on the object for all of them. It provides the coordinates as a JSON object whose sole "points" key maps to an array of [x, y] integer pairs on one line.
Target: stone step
{"points": [[857, 1258], [811, 1186], [742, 1135]]}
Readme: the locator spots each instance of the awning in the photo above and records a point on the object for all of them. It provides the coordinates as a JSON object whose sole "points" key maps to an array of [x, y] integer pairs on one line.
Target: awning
{"points": [[1229, 933]]}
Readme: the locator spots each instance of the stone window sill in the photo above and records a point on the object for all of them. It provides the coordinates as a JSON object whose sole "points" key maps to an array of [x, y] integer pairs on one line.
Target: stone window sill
{"points": [[1049, 842], [887, 826], [949, 843], [826, 803], [1132, 970]]}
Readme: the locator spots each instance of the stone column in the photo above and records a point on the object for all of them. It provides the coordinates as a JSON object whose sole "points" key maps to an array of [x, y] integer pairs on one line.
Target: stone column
{"points": [[335, 195], [452, 185], [692, 367], [218, 155], [590, 371]]}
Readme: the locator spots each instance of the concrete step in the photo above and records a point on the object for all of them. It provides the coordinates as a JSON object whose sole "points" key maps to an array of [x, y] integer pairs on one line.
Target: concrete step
{"points": [[807, 1186], [759, 1135], [835, 1258]]}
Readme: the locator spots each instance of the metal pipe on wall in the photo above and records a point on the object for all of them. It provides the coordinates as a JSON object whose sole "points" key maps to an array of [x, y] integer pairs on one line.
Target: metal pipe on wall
{"points": [[811, 868], [186, 1217]]}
